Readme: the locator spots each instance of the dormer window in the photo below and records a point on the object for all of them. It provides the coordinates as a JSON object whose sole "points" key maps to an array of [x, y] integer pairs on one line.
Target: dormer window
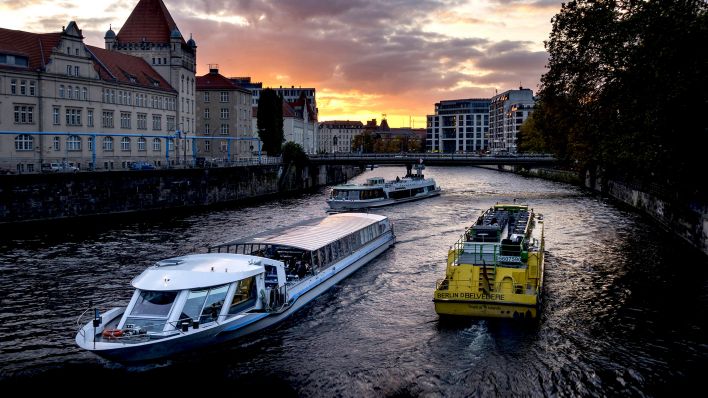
{"points": [[13, 60]]}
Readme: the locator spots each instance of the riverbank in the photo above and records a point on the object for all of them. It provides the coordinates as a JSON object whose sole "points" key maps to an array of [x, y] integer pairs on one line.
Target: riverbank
{"points": [[68, 196], [688, 221]]}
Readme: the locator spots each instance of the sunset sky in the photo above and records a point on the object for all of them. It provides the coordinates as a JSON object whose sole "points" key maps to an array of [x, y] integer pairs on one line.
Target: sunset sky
{"points": [[365, 57]]}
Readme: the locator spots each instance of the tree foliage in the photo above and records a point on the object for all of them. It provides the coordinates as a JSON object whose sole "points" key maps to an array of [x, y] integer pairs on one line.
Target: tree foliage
{"points": [[269, 121], [294, 154], [625, 82]]}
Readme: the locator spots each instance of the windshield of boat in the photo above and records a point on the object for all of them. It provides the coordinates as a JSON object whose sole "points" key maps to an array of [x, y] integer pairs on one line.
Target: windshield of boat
{"points": [[151, 310]]}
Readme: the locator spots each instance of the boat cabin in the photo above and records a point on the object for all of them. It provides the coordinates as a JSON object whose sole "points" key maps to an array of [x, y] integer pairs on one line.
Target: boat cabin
{"points": [[197, 290]]}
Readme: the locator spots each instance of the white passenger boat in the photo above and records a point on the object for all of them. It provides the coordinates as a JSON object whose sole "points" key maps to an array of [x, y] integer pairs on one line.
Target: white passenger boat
{"points": [[377, 192], [239, 287]]}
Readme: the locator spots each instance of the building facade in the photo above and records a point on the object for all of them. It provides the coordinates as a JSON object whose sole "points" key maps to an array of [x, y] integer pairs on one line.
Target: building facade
{"points": [[507, 112], [291, 94], [299, 124], [151, 34], [335, 136], [223, 118], [459, 126], [64, 101]]}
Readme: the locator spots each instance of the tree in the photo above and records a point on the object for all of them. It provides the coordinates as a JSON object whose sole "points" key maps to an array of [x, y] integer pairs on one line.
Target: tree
{"points": [[294, 154], [270, 121], [624, 84]]}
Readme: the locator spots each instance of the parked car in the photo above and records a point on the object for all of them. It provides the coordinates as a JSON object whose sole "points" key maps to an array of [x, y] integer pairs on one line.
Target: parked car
{"points": [[59, 167], [142, 166]]}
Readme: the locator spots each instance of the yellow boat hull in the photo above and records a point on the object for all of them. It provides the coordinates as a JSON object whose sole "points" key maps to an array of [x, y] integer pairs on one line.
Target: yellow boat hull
{"points": [[484, 309]]}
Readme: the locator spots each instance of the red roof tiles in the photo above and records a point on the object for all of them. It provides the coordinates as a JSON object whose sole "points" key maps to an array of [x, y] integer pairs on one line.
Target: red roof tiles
{"points": [[216, 81], [115, 66], [150, 21], [37, 47]]}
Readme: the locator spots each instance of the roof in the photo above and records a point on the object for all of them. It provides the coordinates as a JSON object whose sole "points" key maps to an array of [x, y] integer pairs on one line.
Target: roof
{"points": [[198, 270], [314, 234], [288, 110], [216, 81], [150, 21], [351, 123], [37, 47], [116, 66]]}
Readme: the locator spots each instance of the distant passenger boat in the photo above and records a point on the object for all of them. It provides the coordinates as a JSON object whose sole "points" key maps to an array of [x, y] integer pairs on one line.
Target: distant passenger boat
{"points": [[377, 192], [237, 288], [496, 268]]}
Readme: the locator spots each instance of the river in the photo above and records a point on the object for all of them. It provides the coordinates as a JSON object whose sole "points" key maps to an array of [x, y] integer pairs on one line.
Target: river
{"points": [[625, 309]]}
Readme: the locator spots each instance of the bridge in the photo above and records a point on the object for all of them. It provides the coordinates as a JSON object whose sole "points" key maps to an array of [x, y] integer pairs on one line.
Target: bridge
{"points": [[434, 159]]}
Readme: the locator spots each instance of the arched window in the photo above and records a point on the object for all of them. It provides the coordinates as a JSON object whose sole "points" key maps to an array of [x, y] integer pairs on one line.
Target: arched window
{"points": [[107, 143], [125, 144], [142, 144], [73, 143], [85, 94], [24, 142], [156, 144]]}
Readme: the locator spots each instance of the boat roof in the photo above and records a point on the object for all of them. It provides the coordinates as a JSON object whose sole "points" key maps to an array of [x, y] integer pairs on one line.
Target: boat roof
{"points": [[313, 234], [198, 270]]}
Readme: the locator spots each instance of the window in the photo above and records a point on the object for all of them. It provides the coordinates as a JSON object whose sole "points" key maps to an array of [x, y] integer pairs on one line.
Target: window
{"points": [[156, 144], [170, 145], [32, 88], [207, 146], [68, 70], [214, 303], [76, 92], [13, 86], [56, 144], [224, 129], [76, 68], [206, 113], [24, 114], [223, 145], [84, 94], [125, 144], [73, 117], [89, 117], [61, 91], [108, 144], [23, 87], [55, 115], [151, 310], [68, 92], [142, 121], [244, 297], [24, 142], [125, 120], [73, 143], [224, 113], [142, 144], [170, 123], [206, 129], [224, 96], [107, 120], [206, 96], [90, 143], [156, 122]]}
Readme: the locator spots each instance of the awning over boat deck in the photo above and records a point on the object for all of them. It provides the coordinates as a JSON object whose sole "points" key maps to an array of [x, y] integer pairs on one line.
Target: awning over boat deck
{"points": [[312, 234]]}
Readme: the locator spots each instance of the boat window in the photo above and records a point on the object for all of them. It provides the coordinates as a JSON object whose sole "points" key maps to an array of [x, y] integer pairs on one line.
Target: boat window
{"points": [[194, 304], [154, 303], [213, 304], [245, 293]]}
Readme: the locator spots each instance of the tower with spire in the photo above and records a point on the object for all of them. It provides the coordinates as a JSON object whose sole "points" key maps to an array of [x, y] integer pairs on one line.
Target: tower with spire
{"points": [[152, 34]]}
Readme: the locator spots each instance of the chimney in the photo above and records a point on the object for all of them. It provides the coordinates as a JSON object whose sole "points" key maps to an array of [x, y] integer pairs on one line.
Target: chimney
{"points": [[213, 69]]}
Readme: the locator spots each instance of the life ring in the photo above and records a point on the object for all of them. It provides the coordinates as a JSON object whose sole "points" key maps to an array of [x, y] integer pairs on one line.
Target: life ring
{"points": [[112, 333]]}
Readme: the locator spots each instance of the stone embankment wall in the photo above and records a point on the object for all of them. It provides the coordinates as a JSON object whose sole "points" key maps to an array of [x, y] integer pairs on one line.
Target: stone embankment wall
{"points": [[55, 196], [690, 222]]}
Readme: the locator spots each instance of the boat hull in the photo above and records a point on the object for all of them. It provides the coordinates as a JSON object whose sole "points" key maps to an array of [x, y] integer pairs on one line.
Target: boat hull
{"points": [[238, 326], [485, 309], [342, 205]]}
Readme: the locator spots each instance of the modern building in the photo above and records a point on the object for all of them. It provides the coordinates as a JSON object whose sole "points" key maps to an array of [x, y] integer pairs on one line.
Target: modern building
{"points": [[459, 126], [151, 34], [223, 118], [335, 136], [64, 101], [508, 111]]}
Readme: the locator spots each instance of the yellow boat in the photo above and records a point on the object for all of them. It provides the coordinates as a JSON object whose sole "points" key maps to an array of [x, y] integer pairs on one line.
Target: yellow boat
{"points": [[495, 270]]}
